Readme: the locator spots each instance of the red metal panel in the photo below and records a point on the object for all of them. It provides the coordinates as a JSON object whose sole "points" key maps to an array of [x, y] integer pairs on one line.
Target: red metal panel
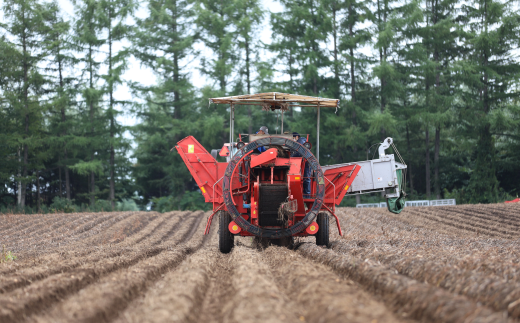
{"points": [[295, 180], [339, 180], [203, 167], [267, 156]]}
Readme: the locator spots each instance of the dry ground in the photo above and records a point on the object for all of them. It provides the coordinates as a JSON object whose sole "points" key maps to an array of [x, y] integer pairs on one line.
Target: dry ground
{"points": [[433, 264]]}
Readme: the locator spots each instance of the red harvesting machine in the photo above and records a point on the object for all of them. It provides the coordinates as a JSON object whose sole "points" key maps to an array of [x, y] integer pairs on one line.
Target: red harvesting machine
{"points": [[260, 191]]}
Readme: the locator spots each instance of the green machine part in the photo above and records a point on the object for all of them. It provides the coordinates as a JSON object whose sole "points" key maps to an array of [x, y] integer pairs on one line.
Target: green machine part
{"points": [[396, 204]]}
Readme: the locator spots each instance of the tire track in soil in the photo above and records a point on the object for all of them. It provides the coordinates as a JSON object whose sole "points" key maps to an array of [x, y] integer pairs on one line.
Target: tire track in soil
{"points": [[323, 295], [14, 306], [103, 300], [404, 295]]}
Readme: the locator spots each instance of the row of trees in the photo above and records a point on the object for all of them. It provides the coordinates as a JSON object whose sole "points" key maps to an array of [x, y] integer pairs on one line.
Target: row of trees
{"points": [[440, 77]]}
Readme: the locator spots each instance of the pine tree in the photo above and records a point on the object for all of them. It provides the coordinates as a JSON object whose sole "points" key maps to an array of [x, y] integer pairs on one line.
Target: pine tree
{"points": [[60, 57], [25, 27], [286, 30], [112, 20], [87, 39], [10, 85], [249, 17], [217, 23], [489, 73], [163, 42], [353, 36]]}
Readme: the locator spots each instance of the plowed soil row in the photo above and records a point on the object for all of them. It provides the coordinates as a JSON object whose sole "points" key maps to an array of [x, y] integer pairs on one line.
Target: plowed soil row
{"points": [[54, 284], [151, 267]]}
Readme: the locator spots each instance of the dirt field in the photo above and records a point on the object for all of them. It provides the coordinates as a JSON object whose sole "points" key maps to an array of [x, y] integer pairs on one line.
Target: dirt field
{"points": [[434, 264]]}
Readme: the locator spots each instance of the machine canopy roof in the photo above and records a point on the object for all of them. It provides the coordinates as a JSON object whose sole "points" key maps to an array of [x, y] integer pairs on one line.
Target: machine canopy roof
{"points": [[277, 100]]}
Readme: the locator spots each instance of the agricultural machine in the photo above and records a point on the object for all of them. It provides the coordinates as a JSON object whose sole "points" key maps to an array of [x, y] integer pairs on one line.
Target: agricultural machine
{"points": [[260, 191]]}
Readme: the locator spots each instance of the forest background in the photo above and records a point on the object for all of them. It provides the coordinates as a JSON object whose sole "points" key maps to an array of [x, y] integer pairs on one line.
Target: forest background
{"points": [[439, 76]]}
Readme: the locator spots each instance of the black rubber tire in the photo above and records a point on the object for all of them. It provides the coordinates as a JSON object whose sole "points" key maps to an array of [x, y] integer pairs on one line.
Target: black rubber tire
{"points": [[322, 236], [226, 240]]}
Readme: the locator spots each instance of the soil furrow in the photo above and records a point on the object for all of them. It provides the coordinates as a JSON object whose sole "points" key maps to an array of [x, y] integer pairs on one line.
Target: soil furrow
{"points": [[28, 223], [474, 227], [179, 295], [475, 219], [103, 300], [256, 296], [60, 265], [35, 297], [490, 290], [323, 295], [406, 296]]}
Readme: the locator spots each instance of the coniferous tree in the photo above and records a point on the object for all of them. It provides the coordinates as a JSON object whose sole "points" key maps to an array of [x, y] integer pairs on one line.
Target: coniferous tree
{"points": [[87, 38], [217, 23], [489, 73], [112, 20], [164, 41], [25, 26], [440, 39], [60, 58], [354, 36], [249, 17]]}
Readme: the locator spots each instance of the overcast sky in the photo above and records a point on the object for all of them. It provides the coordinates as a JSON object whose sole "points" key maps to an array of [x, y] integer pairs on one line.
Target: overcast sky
{"points": [[145, 76]]}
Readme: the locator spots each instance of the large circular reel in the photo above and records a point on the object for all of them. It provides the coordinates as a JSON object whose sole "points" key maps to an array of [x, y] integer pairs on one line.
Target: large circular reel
{"points": [[273, 233]]}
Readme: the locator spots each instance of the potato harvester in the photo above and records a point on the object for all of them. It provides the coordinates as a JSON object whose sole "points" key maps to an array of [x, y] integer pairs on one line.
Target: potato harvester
{"points": [[261, 193]]}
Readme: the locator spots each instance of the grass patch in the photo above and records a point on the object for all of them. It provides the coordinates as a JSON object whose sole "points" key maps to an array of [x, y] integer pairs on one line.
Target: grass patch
{"points": [[7, 255]]}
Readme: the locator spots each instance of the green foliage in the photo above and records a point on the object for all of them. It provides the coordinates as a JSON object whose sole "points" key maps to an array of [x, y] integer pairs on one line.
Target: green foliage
{"points": [[127, 205], [60, 204], [7, 256], [188, 201], [441, 78]]}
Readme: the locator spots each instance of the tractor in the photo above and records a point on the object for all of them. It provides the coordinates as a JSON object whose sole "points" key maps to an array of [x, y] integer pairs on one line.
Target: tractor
{"points": [[259, 192]]}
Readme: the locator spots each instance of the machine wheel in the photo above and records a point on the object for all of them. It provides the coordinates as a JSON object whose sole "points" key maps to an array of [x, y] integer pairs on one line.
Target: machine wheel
{"points": [[226, 240], [322, 236]]}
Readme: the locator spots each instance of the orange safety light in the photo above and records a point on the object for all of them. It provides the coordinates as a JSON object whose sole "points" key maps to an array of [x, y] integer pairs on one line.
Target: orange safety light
{"points": [[313, 228], [234, 228]]}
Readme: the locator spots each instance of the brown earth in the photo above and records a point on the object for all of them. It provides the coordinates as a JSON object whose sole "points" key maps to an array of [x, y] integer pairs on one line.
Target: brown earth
{"points": [[432, 264]]}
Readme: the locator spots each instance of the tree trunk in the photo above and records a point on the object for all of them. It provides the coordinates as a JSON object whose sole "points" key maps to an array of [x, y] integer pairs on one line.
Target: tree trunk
{"points": [[336, 63], [248, 80], [427, 162], [60, 180], [92, 175], [382, 58], [352, 72], [112, 192], [63, 118], [19, 191], [26, 112], [67, 179], [38, 190], [409, 171], [437, 184]]}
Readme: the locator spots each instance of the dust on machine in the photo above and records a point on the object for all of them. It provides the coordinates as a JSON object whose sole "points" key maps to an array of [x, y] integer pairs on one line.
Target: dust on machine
{"points": [[272, 187]]}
